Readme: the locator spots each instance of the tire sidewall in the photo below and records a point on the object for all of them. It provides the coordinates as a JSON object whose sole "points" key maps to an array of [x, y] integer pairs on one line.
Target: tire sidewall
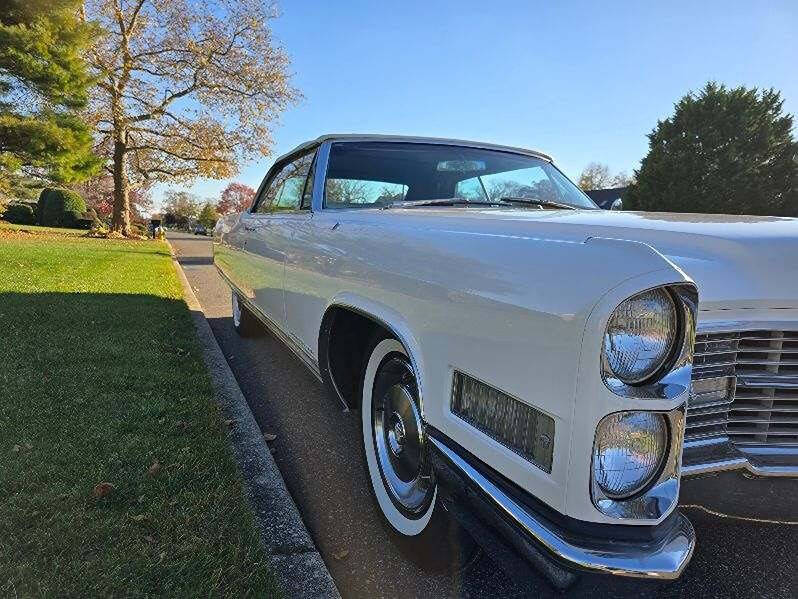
{"points": [[398, 521]]}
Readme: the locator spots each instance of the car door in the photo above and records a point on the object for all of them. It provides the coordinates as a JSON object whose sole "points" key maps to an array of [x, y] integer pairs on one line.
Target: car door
{"points": [[269, 231]]}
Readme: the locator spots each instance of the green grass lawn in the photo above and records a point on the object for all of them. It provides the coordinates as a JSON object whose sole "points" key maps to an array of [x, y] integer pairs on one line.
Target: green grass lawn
{"points": [[102, 381]]}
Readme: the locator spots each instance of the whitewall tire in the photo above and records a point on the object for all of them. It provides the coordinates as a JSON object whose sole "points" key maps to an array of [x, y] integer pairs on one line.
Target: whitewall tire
{"points": [[394, 441]]}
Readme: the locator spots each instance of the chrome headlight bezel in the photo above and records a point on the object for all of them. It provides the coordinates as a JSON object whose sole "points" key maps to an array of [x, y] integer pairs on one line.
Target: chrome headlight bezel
{"points": [[671, 326], [660, 492], [656, 453], [672, 377]]}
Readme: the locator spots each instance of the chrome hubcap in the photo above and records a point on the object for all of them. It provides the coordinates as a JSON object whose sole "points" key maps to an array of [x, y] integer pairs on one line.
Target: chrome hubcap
{"points": [[399, 443], [396, 435]]}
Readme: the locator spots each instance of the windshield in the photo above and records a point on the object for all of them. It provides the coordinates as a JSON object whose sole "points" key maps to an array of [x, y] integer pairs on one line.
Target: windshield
{"points": [[374, 174]]}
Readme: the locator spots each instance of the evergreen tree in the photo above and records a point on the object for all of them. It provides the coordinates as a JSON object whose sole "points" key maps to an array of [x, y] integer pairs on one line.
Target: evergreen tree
{"points": [[43, 83], [723, 151]]}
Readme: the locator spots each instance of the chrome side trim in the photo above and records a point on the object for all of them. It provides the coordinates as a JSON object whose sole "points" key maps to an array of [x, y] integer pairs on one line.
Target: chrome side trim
{"points": [[664, 560], [308, 360]]}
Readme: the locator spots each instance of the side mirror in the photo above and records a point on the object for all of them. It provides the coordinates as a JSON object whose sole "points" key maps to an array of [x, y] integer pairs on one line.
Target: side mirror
{"points": [[617, 204]]}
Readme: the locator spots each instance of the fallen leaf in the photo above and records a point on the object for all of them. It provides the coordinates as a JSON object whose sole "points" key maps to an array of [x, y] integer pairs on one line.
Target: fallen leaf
{"points": [[16, 449], [269, 437], [341, 554], [139, 518], [28, 446], [162, 556], [229, 423], [103, 489], [141, 498], [149, 539], [154, 468]]}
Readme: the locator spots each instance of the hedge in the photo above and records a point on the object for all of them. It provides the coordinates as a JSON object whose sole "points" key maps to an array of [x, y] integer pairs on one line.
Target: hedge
{"points": [[58, 207], [20, 213]]}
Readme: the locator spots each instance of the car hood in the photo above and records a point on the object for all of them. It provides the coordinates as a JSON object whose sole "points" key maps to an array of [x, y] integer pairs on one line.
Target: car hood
{"points": [[736, 261]]}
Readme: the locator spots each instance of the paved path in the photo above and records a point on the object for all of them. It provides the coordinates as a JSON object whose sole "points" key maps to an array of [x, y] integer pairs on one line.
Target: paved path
{"points": [[318, 455]]}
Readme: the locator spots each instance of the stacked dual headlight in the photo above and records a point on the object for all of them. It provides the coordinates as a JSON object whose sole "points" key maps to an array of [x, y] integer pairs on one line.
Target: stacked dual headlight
{"points": [[640, 342]]}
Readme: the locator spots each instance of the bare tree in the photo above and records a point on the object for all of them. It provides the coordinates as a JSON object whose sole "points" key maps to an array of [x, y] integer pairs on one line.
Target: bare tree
{"points": [[598, 176], [187, 88]]}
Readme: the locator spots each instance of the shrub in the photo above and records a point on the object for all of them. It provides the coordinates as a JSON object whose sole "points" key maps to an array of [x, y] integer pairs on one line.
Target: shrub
{"points": [[33, 206], [57, 207], [20, 214], [98, 229], [139, 229]]}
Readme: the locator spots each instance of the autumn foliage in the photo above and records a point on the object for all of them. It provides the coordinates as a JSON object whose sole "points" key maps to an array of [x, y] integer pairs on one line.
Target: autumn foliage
{"points": [[236, 197]]}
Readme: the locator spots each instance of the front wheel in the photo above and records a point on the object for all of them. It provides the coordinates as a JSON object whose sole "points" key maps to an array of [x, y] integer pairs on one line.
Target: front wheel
{"points": [[398, 466], [394, 441]]}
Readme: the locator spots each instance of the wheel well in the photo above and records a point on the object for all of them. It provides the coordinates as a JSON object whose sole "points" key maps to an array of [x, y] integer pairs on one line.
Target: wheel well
{"points": [[346, 335]]}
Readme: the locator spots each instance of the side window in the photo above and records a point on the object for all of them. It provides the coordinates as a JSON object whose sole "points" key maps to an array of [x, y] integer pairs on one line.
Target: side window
{"points": [[284, 191]]}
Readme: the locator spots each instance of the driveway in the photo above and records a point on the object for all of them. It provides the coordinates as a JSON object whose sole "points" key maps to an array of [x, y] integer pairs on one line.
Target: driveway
{"points": [[317, 452]]}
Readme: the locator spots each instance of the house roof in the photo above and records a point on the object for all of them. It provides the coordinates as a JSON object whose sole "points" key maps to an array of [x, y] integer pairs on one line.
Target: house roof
{"points": [[605, 197]]}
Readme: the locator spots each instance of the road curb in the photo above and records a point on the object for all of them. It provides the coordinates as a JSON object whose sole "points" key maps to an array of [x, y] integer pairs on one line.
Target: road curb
{"points": [[299, 567]]}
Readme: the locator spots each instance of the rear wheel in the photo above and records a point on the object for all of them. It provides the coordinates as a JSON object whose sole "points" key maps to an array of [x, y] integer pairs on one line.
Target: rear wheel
{"points": [[244, 322]]}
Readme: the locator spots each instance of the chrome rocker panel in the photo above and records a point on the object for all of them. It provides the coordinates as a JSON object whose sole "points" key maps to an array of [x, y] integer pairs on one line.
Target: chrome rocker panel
{"points": [[663, 557]]}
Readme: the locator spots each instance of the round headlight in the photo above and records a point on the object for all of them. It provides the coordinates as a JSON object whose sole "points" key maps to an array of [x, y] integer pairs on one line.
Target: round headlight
{"points": [[628, 451], [640, 335]]}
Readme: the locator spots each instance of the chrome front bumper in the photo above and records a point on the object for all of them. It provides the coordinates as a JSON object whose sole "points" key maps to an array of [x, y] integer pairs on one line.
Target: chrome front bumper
{"points": [[557, 549], [720, 454]]}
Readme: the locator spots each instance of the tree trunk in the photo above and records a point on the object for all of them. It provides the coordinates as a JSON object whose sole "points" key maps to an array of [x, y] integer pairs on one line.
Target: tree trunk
{"points": [[120, 221]]}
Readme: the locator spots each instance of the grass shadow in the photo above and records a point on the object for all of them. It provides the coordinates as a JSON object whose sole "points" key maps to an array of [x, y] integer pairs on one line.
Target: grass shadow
{"points": [[105, 387]]}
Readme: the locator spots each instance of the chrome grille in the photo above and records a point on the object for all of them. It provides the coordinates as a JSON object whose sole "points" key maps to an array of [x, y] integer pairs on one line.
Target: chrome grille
{"points": [[761, 407]]}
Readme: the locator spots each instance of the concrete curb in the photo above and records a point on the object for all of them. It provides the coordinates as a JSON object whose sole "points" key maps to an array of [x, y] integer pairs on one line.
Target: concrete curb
{"points": [[299, 567]]}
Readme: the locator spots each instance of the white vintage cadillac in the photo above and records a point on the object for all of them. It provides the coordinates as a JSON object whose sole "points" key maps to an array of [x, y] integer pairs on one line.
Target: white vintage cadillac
{"points": [[546, 371]]}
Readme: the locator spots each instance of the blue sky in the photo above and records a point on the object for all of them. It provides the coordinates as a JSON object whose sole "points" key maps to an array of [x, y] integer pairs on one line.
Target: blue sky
{"points": [[582, 81]]}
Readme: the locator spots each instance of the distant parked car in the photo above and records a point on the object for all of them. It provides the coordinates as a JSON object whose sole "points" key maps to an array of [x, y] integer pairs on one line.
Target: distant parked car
{"points": [[200, 230], [521, 356]]}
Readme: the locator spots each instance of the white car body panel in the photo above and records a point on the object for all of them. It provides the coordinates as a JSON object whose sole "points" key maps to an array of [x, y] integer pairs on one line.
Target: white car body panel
{"points": [[518, 298]]}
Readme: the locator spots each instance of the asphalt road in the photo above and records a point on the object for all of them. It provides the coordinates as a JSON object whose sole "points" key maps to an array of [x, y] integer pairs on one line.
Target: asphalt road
{"points": [[317, 452]]}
